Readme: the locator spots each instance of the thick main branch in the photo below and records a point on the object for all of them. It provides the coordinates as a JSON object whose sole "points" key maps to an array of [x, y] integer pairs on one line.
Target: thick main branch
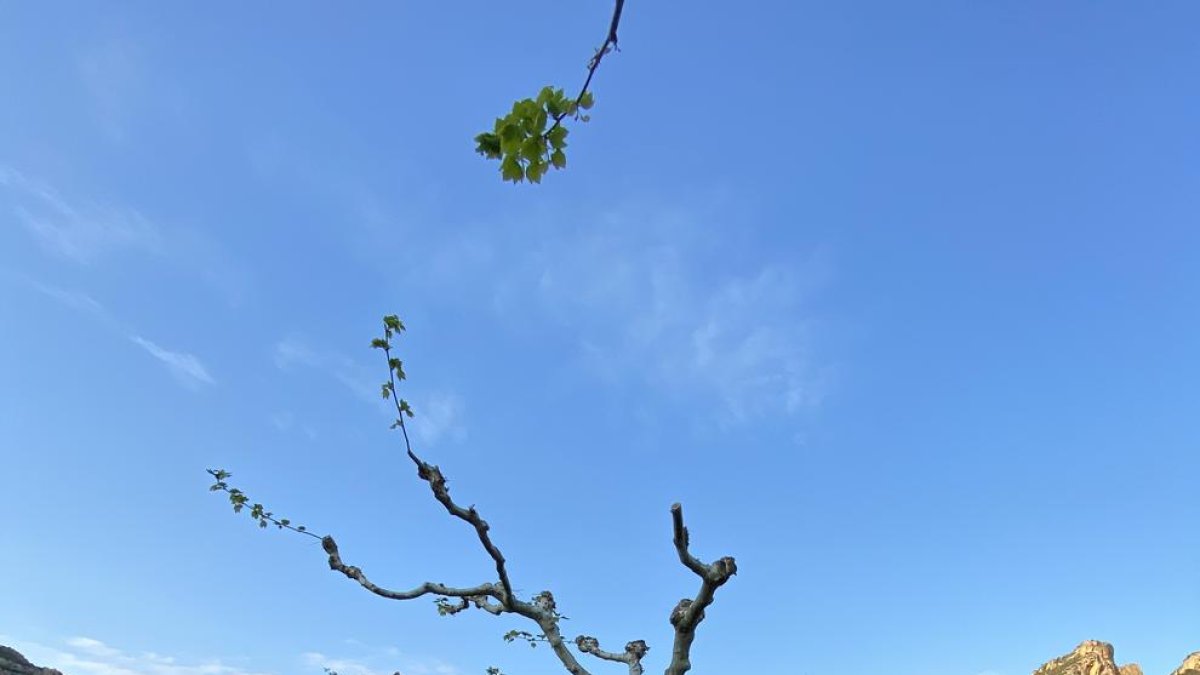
{"points": [[437, 482], [427, 588], [688, 614]]}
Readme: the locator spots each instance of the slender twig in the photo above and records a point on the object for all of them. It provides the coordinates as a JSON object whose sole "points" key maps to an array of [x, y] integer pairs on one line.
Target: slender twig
{"points": [[220, 486], [609, 44]]}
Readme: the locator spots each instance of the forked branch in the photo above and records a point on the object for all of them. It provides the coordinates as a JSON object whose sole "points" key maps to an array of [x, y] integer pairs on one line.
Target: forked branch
{"points": [[632, 656], [499, 598], [688, 614]]}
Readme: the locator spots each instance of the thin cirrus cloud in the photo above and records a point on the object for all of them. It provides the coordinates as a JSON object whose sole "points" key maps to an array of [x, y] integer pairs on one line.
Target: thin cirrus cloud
{"points": [[293, 352], [653, 292], [648, 295], [76, 300], [343, 666], [89, 656], [653, 302], [439, 415], [187, 368], [86, 233], [285, 421], [375, 661], [75, 232]]}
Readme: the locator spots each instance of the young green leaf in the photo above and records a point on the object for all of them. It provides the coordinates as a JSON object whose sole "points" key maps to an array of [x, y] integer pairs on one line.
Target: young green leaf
{"points": [[510, 169], [532, 149]]}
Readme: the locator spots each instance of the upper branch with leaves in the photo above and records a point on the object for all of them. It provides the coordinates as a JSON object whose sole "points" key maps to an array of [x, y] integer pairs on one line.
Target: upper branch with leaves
{"points": [[531, 138], [497, 597]]}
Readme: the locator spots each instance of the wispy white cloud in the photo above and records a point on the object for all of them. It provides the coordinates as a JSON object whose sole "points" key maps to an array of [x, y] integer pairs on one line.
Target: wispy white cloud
{"points": [[750, 342], [650, 295], [185, 367], [292, 352], [439, 418], [669, 296], [76, 300], [439, 414], [81, 233], [85, 655], [86, 233], [285, 421], [93, 646], [343, 666], [377, 661]]}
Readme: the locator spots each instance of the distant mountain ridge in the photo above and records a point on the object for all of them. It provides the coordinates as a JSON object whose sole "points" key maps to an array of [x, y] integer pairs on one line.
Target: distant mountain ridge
{"points": [[13, 663], [1091, 657]]}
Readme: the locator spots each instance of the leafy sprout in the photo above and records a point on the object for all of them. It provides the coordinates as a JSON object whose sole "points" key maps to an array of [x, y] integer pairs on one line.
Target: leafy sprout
{"points": [[531, 138]]}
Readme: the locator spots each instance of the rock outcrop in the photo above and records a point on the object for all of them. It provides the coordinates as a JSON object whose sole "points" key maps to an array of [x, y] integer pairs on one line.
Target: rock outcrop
{"points": [[1191, 665], [13, 663], [1091, 657]]}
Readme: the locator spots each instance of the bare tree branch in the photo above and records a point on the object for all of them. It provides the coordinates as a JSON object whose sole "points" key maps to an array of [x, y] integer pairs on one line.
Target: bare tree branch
{"points": [[634, 651], [498, 599], [437, 482], [432, 474], [429, 587], [688, 614], [480, 602], [542, 610]]}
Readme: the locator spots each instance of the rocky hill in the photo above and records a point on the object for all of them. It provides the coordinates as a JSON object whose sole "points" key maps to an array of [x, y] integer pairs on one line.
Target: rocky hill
{"points": [[1191, 665], [1093, 657], [12, 663]]}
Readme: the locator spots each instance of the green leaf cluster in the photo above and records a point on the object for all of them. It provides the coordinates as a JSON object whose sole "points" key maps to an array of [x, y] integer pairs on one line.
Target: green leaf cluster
{"points": [[531, 138], [392, 327], [239, 501], [525, 635]]}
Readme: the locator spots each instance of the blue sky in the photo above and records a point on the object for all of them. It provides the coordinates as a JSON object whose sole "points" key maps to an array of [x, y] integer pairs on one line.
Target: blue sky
{"points": [[900, 301]]}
